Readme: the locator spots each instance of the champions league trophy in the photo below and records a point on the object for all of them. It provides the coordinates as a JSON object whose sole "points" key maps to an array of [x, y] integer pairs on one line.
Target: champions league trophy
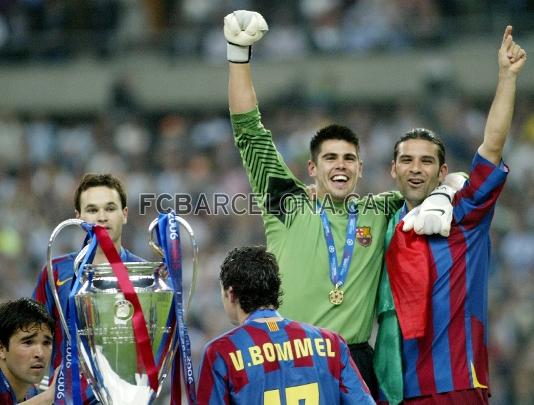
{"points": [[101, 325]]}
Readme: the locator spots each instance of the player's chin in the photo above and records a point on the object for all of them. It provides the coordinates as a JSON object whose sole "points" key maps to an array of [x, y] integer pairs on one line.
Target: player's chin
{"points": [[35, 376], [339, 196], [416, 196]]}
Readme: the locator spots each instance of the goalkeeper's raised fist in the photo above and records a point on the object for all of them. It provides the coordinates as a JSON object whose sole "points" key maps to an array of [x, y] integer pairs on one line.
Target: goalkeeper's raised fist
{"points": [[242, 28]]}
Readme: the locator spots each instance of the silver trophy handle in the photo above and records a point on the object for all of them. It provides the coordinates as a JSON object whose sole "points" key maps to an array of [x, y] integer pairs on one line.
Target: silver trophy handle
{"points": [[79, 258], [50, 269], [194, 247]]}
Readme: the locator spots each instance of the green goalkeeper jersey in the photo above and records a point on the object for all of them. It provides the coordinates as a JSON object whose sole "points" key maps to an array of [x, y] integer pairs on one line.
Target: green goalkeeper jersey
{"points": [[295, 235]]}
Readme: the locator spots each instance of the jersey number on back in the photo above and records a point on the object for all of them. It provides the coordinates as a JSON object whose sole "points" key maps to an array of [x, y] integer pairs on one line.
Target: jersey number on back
{"points": [[309, 393]]}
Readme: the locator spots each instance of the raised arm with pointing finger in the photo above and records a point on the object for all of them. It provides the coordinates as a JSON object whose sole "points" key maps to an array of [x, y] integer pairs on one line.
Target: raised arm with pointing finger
{"points": [[511, 61], [442, 354]]}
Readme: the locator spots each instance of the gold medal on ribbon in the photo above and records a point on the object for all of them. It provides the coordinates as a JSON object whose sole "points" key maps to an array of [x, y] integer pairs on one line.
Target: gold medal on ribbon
{"points": [[336, 295]]}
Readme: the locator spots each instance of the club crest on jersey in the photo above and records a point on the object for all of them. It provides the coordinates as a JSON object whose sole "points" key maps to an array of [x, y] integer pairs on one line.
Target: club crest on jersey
{"points": [[363, 235]]}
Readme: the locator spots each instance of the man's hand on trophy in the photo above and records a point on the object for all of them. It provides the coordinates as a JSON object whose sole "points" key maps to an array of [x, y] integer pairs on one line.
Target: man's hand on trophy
{"points": [[242, 28], [47, 396]]}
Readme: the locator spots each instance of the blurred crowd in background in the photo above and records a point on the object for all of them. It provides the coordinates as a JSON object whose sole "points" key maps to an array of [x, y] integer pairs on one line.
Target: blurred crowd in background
{"points": [[56, 30], [191, 152]]}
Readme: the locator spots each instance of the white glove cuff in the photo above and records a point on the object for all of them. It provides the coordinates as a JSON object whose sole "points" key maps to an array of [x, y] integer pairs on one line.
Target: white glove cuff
{"points": [[455, 180], [237, 53], [444, 190]]}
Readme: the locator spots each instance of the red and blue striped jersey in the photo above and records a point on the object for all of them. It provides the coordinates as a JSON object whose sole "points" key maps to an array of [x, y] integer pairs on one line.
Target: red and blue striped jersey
{"points": [[63, 268], [7, 396], [453, 354], [280, 362]]}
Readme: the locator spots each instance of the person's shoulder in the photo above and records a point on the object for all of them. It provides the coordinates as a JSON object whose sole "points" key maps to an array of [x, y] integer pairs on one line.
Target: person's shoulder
{"points": [[222, 343], [483, 165], [318, 331], [5, 390], [379, 206], [225, 337], [310, 329], [391, 195], [61, 262], [5, 397], [64, 258]]}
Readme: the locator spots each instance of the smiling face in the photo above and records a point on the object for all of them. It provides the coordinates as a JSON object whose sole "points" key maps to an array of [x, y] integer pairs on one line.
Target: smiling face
{"points": [[25, 361], [102, 205], [336, 170], [416, 170]]}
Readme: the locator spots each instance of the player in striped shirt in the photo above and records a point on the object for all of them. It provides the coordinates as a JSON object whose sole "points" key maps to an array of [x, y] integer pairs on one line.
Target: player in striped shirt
{"points": [[268, 359], [100, 199], [448, 363], [26, 334]]}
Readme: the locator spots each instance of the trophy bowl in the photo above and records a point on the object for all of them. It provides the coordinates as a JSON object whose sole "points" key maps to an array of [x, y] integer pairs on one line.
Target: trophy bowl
{"points": [[112, 359], [106, 333]]}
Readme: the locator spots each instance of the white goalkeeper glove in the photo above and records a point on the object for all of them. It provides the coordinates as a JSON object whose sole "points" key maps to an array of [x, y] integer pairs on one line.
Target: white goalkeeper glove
{"points": [[434, 215], [242, 28]]}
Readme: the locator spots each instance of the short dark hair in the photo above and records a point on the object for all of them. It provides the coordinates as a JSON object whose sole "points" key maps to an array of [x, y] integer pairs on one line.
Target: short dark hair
{"points": [[425, 134], [22, 314], [333, 131], [90, 180], [252, 272]]}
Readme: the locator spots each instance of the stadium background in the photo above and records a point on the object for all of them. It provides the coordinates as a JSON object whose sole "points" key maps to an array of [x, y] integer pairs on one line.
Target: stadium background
{"points": [[138, 88]]}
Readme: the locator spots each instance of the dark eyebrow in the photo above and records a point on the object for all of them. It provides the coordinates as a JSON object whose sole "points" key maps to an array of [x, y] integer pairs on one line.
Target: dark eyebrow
{"points": [[28, 337], [94, 205], [345, 155], [406, 155]]}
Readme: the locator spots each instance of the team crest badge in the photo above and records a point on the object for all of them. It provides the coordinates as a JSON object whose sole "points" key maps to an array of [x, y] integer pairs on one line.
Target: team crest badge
{"points": [[363, 235]]}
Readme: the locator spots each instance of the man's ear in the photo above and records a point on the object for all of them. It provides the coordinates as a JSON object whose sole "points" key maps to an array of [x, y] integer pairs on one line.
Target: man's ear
{"points": [[125, 215], [443, 171], [3, 351], [231, 294], [77, 213], [393, 171], [312, 168]]}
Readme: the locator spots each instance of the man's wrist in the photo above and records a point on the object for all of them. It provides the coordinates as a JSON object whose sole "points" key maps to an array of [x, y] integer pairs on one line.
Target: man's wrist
{"points": [[445, 191], [237, 53]]}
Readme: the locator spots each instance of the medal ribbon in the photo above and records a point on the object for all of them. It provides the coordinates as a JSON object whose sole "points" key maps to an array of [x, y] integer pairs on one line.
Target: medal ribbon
{"points": [[338, 274], [143, 345], [168, 234], [68, 387]]}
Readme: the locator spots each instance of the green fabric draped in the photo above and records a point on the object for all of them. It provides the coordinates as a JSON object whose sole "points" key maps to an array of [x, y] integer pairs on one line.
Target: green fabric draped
{"points": [[388, 352]]}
